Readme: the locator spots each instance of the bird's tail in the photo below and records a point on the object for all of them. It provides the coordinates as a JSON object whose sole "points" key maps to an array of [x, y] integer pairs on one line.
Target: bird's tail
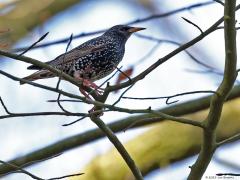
{"points": [[42, 74]]}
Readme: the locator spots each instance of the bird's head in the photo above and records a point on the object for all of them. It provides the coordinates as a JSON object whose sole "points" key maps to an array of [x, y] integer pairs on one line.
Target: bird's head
{"points": [[123, 30]]}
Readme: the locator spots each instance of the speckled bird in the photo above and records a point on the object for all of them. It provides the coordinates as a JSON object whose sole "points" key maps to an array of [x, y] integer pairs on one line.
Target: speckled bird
{"points": [[92, 60]]}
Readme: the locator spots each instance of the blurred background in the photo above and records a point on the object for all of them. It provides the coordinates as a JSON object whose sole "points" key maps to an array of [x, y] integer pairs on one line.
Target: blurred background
{"points": [[23, 22]]}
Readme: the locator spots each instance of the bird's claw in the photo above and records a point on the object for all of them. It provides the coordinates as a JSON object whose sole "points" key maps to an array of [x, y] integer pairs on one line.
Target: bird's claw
{"points": [[88, 83]]}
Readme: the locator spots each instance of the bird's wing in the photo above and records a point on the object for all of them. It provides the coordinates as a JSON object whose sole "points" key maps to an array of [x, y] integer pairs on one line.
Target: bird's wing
{"points": [[76, 53], [73, 55]]}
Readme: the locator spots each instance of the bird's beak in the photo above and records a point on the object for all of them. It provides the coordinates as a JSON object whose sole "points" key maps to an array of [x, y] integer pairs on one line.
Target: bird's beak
{"points": [[135, 29]]}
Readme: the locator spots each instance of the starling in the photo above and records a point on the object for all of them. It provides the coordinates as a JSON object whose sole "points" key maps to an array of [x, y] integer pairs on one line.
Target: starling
{"points": [[91, 60]]}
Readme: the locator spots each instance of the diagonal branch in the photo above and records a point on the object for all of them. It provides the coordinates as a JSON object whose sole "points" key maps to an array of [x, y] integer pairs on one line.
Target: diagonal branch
{"points": [[115, 141], [229, 140], [164, 59]]}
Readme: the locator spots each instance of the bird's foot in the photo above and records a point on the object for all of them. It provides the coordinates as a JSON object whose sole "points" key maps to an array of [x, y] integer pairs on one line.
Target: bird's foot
{"points": [[90, 84]]}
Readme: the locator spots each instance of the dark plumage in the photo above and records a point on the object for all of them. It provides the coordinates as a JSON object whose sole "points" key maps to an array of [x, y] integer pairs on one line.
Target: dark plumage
{"points": [[93, 59]]}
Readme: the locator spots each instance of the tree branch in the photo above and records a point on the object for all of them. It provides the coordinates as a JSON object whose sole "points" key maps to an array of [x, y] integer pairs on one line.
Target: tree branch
{"points": [[48, 67], [21, 170], [217, 101], [164, 59], [151, 17], [118, 145], [229, 140], [118, 126]]}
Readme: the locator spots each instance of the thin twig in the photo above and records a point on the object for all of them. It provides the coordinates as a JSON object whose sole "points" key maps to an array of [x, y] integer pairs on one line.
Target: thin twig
{"points": [[68, 124], [121, 96], [61, 107], [151, 17], [118, 69], [111, 107], [65, 100], [34, 44], [84, 99], [192, 23], [108, 79], [20, 170], [60, 77], [229, 140], [5, 107], [205, 65], [168, 97], [66, 176], [178, 119], [117, 126], [144, 73], [11, 115], [55, 71], [220, 2]]}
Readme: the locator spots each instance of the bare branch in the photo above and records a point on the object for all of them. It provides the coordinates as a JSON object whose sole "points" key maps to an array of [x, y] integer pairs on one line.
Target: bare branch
{"points": [[118, 126], [192, 23], [68, 124], [168, 97], [84, 99], [21, 170], [61, 107], [118, 69], [66, 176], [115, 141], [178, 119], [48, 67], [228, 140], [152, 17], [119, 109], [11, 115], [164, 59], [178, 44], [220, 2], [217, 101], [34, 44], [121, 96]]}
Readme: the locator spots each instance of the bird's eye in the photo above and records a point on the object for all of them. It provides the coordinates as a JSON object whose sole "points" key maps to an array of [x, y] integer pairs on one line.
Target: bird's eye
{"points": [[125, 28]]}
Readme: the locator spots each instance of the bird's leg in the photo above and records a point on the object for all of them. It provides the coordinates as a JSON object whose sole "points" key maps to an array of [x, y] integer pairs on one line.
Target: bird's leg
{"points": [[85, 94], [88, 83], [91, 84], [94, 108]]}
